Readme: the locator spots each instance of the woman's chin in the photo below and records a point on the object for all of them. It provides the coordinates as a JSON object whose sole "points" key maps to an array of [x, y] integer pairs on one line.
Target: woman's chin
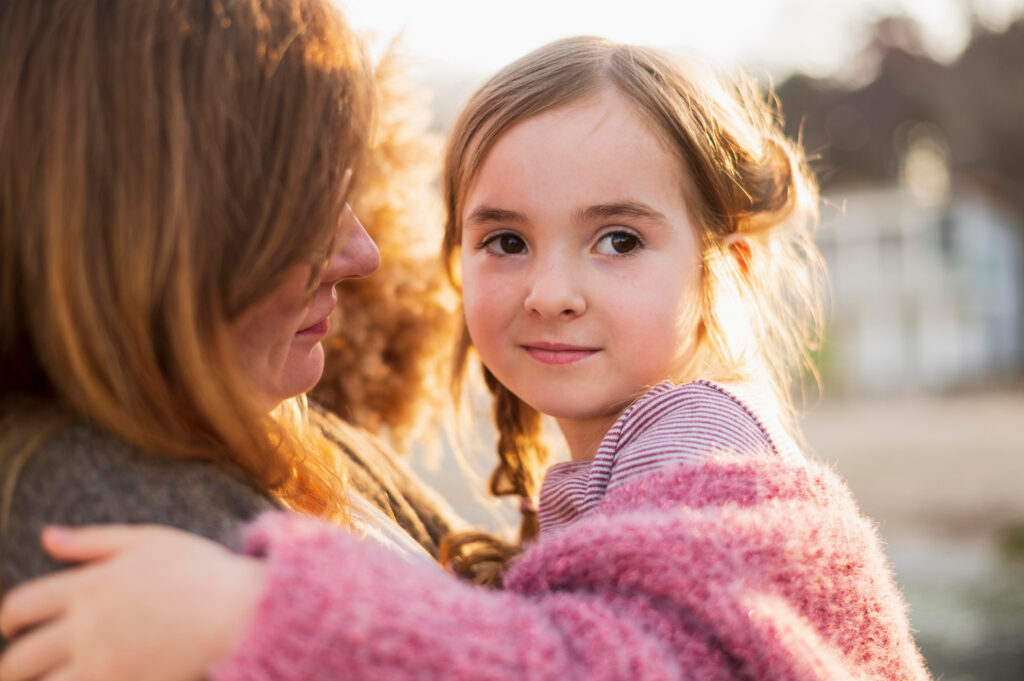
{"points": [[300, 372]]}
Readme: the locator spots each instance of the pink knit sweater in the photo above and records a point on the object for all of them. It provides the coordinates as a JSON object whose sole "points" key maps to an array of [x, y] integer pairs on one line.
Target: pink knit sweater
{"points": [[730, 568]]}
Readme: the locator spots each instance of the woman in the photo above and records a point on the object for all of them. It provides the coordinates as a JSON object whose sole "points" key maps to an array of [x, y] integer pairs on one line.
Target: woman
{"points": [[173, 222]]}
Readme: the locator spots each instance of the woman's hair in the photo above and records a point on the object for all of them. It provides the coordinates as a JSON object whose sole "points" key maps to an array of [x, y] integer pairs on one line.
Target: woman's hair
{"points": [[386, 367], [761, 312], [163, 166]]}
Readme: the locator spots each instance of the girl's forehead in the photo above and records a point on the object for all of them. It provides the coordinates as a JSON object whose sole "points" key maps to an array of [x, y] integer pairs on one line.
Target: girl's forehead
{"points": [[600, 142], [603, 120]]}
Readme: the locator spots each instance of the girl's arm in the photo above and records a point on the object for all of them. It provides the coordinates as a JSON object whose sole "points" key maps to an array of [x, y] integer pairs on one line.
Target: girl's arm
{"points": [[166, 606], [731, 568], [735, 567]]}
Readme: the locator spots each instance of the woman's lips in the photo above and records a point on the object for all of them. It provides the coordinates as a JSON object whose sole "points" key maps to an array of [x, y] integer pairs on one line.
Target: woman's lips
{"points": [[558, 353], [318, 329], [323, 309]]}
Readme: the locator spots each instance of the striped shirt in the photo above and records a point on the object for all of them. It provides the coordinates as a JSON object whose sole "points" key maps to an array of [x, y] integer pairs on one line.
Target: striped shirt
{"points": [[666, 425]]}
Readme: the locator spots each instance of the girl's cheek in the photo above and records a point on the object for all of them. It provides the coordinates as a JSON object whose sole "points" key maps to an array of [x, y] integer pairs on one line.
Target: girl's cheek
{"points": [[476, 285]]}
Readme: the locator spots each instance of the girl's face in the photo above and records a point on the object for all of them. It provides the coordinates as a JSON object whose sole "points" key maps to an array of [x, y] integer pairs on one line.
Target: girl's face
{"points": [[581, 270], [277, 342]]}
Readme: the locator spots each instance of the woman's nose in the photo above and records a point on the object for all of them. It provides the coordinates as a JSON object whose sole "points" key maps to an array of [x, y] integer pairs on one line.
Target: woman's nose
{"points": [[358, 256]]}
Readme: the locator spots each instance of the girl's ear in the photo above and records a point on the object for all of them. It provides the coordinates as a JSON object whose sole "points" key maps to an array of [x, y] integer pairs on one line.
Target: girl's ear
{"points": [[738, 246]]}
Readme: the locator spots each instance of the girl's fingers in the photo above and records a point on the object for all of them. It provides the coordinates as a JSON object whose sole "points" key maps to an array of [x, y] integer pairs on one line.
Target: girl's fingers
{"points": [[42, 599], [36, 654], [35, 602], [91, 542]]}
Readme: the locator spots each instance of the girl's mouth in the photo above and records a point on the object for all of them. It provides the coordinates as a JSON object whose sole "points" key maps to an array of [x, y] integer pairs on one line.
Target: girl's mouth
{"points": [[558, 353]]}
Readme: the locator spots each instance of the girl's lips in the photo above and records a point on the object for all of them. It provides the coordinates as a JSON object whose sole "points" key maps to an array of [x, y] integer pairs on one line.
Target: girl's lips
{"points": [[557, 353]]}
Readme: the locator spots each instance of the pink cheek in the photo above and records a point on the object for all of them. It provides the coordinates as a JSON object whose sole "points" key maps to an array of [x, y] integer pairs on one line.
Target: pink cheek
{"points": [[486, 319], [479, 318], [480, 294]]}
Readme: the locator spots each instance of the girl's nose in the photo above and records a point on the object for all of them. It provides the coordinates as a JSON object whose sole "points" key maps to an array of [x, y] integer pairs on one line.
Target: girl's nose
{"points": [[555, 293], [358, 256]]}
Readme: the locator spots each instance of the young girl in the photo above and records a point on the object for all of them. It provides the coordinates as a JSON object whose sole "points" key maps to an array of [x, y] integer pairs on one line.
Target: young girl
{"points": [[629, 231], [632, 242]]}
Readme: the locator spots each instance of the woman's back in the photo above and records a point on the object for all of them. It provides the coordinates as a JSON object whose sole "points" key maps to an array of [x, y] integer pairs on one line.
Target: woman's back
{"points": [[83, 474]]}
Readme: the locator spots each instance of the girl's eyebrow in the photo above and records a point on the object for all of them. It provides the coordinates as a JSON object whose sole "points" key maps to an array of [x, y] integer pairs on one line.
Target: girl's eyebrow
{"points": [[635, 209], [632, 209], [487, 214]]}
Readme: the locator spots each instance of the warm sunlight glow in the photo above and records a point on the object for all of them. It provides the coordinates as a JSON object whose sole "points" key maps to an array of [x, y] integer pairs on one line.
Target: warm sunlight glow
{"points": [[776, 36]]}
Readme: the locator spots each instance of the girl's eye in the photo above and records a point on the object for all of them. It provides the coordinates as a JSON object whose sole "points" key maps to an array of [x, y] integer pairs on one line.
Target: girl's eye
{"points": [[505, 244], [618, 243]]}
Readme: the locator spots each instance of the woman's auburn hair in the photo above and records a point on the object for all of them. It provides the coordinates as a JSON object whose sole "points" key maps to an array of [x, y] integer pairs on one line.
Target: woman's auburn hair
{"points": [[759, 319], [386, 363], [163, 166]]}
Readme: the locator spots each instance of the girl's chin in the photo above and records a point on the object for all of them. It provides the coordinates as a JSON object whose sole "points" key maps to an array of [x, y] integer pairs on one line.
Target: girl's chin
{"points": [[572, 408]]}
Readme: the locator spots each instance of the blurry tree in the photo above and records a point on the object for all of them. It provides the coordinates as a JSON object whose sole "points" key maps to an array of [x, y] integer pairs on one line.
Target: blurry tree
{"points": [[860, 133]]}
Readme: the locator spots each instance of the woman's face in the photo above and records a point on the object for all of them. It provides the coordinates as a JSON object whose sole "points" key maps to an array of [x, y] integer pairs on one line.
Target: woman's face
{"points": [[277, 341]]}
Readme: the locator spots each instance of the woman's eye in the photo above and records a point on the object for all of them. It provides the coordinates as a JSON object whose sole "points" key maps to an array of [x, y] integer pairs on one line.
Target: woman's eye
{"points": [[618, 243], [505, 244]]}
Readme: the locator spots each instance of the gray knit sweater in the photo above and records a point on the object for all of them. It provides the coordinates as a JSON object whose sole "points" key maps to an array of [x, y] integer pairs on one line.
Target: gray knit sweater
{"points": [[86, 475]]}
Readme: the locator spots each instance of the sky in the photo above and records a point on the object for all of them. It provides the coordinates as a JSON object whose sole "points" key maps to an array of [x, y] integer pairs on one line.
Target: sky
{"points": [[775, 37]]}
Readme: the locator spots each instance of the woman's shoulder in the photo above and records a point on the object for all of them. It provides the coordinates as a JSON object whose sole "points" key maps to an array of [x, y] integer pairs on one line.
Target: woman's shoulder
{"points": [[82, 459], [83, 474]]}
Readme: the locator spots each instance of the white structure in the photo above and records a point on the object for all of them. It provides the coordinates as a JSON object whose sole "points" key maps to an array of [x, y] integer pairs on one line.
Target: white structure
{"points": [[926, 294]]}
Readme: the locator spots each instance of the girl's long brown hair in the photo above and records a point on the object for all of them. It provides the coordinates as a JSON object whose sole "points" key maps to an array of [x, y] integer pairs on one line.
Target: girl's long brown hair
{"points": [[163, 165], [759, 319]]}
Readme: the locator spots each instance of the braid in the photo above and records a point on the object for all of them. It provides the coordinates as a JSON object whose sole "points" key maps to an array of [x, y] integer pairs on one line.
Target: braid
{"points": [[480, 557], [521, 455]]}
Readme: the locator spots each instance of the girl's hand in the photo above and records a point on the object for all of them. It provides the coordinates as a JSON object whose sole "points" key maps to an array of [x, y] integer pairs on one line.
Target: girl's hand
{"points": [[151, 604]]}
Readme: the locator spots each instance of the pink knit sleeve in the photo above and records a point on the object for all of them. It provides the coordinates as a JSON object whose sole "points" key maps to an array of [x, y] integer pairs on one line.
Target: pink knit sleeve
{"points": [[338, 608], [732, 567]]}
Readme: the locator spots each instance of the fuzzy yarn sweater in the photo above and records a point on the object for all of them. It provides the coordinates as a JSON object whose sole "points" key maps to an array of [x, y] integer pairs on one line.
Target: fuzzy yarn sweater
{"points": [[732, 568]]}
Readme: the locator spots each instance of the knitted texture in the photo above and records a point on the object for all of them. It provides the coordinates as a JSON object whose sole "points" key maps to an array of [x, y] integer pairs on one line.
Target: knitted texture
{"points": [[730, 568]]}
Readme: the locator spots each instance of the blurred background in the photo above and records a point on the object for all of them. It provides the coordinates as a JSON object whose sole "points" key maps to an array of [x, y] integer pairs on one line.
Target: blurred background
{"points": [[913, 112]]}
